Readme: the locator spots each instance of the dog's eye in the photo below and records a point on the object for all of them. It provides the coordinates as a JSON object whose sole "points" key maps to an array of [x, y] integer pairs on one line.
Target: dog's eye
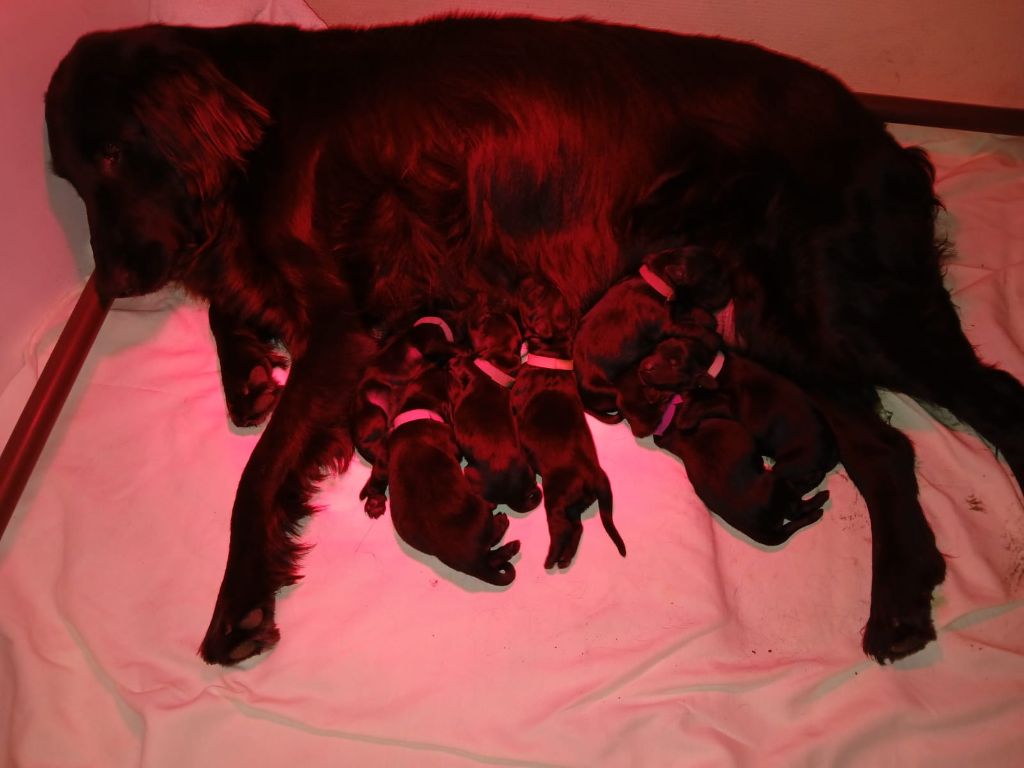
{"points": [[110, 155]]}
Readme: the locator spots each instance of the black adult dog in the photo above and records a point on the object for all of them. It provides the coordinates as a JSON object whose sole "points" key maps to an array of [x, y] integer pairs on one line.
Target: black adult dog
{"points": [[315, 186]]}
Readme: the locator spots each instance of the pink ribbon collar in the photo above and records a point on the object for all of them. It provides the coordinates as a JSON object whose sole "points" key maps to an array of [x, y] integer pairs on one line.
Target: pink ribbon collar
{"points": [[415, 414], [494, 373], [552, 363], [440, 323], [657, 283]]}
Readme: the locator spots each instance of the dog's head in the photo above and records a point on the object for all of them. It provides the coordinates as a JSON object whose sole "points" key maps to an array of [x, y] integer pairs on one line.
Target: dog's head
{"points": [[149, 133]]}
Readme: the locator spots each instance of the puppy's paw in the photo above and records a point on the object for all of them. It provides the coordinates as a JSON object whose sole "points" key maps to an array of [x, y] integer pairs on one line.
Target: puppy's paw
{"points": [[565, 541], [250, 390], [497, 569], [804, 512], [234, 636]]}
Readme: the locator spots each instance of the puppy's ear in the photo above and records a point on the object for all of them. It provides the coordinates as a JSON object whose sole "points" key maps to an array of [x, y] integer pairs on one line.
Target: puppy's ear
{"points": [[201, 121]]}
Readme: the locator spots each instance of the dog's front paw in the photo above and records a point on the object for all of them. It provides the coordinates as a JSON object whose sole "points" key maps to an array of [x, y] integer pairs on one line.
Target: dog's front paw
{"points": [[900, 623], [236, 635], [373, 492], [375, 505], [250, 390]]}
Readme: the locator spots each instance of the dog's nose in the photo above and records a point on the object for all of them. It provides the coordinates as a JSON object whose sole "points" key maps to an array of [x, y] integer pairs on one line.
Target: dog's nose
{"points": [[114, 284], [533, 498]]}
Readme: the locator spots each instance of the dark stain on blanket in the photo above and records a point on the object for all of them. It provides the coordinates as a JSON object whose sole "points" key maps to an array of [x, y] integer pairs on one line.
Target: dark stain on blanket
{"points": [[1013, 544]]}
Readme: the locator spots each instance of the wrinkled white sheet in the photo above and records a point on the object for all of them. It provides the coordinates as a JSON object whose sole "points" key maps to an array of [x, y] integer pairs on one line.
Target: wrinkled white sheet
{"points": [[698, 649]]}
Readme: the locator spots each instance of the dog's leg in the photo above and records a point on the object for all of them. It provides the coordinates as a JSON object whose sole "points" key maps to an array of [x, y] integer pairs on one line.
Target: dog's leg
{"points": [[938, 364], [308, 429], [248, 358], [906, 564]]}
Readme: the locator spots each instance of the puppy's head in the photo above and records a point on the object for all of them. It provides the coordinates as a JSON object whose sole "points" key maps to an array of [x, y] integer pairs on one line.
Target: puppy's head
{"points": [[496, 337], [149, 133], [679, 364], [695, 272], [546, 316]]}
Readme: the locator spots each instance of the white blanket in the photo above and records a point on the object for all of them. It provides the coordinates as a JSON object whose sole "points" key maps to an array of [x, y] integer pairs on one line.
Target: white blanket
{"points": [[697, 649]]}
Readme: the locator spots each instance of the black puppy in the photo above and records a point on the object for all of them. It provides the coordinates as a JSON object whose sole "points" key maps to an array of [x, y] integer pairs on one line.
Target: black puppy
{"points": [[429, 340], [552, 424], [433, 507], [632, 317], [731, 413], [776, 413], [485, 429]]}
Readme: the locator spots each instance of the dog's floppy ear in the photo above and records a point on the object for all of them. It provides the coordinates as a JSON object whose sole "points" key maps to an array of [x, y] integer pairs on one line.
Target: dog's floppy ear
{"points": [[201, 121]]}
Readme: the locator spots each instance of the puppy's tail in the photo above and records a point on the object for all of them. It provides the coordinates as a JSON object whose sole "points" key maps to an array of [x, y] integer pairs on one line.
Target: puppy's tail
{"points": [[604, 508]]}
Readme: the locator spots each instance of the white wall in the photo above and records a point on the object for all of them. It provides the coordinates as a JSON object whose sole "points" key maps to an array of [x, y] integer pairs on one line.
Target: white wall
{"points": [[954, 50]]}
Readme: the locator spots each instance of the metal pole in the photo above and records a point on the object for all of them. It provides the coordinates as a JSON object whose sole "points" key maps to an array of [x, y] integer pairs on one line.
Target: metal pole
{"points": [[44, 404]]}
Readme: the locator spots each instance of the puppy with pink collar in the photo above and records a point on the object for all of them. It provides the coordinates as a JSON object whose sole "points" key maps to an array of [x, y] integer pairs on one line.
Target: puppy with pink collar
{"points": [[419, 465], [552, 424]]}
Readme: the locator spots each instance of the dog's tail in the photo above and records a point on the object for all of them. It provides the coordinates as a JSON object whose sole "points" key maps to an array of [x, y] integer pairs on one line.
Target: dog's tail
{"points": [[604, 508]]}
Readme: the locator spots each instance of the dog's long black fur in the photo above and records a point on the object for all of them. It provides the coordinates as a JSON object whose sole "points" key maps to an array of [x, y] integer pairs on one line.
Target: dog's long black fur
{"points": [[317, 186]]}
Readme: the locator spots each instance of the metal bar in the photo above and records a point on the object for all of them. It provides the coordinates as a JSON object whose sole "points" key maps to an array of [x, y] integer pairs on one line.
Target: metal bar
{"points": [[945, 114], [44, 404]]}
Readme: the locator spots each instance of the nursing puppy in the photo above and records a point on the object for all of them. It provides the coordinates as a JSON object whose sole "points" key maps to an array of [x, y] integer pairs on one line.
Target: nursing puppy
{"points": [[552, 424], [433, 508], [727, 472], [429, 341], [773, 410], [730, 414], [485, 428], [632, 317]]}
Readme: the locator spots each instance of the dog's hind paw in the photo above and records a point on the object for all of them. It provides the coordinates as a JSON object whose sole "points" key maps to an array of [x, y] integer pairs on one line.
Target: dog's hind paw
{"points": [[900, 623], [228, 642], [891, 638]]}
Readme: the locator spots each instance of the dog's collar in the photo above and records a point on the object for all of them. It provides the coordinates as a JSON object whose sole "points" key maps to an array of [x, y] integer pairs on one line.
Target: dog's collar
{"points": [[440, 323], [717, 364], [670, 412], [657, 283], [416, 414], [494, 373], [552, 363]]}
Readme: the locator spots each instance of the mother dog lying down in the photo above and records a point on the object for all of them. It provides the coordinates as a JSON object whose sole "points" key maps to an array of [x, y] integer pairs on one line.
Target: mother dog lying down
{"points": [[323, 188]]}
